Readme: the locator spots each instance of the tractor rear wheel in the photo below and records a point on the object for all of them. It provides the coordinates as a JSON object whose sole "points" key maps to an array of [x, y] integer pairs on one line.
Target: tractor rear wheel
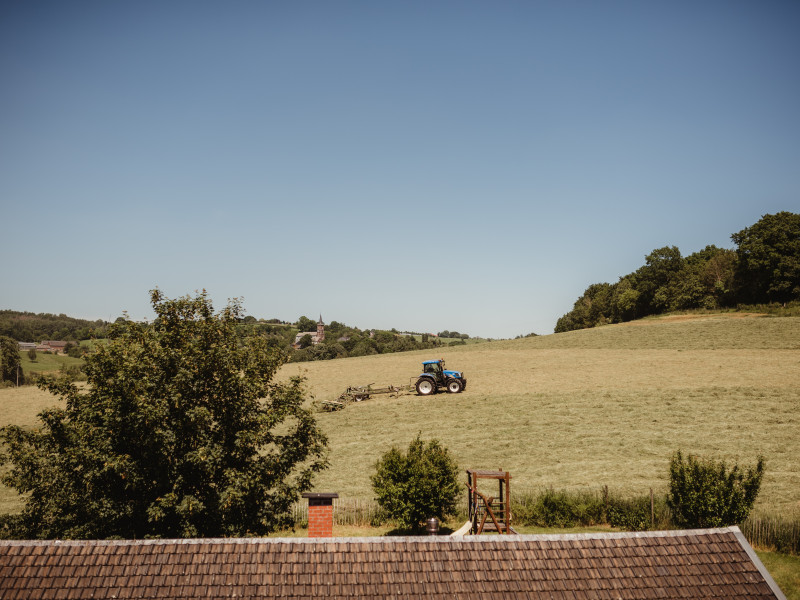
{"points": [[425, 386], [453, 386]]}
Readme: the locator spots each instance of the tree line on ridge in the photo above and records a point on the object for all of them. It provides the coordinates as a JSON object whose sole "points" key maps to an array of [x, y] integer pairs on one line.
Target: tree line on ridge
{"points": [[763, 269]]}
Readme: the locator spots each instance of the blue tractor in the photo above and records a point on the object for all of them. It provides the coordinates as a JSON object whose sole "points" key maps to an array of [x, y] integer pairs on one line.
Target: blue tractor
{"points": [[434, 376]]}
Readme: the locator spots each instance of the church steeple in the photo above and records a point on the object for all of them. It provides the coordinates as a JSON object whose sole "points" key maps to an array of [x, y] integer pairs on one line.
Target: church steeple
{"points": [[320, 330]]}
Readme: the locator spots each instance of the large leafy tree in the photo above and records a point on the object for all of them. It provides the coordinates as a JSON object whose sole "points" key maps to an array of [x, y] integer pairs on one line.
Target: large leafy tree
{"points": [[625, 299], [593, 308], [655, 279], [9, 360], [306, 324], [704, 281], [769, 259], [181, 432]]}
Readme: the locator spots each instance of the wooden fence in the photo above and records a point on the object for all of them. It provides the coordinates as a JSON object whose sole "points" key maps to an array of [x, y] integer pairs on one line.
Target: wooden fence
{"points": [[346, 511], [772, 532]]}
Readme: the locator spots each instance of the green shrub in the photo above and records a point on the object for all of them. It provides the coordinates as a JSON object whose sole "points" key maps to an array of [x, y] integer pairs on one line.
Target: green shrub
{"points": [[416, 485], [73, 373], [705, 493], [637, 514], [550, 508], [10, 526]]}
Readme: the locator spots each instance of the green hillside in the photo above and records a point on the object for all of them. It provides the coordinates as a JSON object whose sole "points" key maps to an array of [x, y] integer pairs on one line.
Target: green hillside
{"points": [[578, 410], [584, 409]]}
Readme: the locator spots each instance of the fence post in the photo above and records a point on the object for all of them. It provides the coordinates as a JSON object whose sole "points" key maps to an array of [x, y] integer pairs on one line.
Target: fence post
{"points": [[652, 510]]}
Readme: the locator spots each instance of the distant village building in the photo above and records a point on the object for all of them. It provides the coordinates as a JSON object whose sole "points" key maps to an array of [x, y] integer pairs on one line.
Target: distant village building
{"points": [[54, 346], [317, 336]]}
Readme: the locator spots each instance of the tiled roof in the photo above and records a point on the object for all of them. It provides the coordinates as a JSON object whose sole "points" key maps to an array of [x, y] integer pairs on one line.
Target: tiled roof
{"points": [[688, 564]]}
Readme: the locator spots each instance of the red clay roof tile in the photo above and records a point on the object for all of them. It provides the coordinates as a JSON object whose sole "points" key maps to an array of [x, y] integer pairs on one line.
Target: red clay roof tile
{"points": [[578, 567]]}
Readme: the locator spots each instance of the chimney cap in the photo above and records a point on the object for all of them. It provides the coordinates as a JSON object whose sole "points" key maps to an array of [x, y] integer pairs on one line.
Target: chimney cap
{"points": [[320, 495]]}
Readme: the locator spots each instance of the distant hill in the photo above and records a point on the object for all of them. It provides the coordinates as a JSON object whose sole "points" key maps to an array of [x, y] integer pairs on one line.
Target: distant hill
{"points": [[340, 340], [35, 327]]}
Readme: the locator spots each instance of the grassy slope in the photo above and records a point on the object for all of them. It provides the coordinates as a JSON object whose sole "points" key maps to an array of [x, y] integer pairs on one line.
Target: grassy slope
{"points": [[46, 363], [584, 409]]}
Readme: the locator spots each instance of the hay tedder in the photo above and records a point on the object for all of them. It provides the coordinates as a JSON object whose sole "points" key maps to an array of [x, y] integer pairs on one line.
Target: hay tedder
{"points": [[363, 392], [433, 378]]}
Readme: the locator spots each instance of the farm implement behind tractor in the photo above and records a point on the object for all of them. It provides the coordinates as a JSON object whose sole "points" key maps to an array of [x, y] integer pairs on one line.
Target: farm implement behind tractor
{"points": [[433, 378], [363, 392]]}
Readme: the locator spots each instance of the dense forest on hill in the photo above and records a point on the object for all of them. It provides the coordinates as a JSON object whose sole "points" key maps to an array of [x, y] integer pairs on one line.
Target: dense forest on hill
{"points": [[763, 269], [340, 341], [35, 327]]}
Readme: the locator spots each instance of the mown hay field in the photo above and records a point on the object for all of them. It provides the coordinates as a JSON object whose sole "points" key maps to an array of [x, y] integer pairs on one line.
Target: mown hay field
{"points": [[579, 410]]}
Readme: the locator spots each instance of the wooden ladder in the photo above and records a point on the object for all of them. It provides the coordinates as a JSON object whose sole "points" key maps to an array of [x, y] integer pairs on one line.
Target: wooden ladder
{"points": [[489, 513]]}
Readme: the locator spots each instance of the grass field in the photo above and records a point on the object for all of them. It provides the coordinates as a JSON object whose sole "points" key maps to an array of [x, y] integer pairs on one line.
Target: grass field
{"points": [[579, 410], [785, 570], [47, 363]]}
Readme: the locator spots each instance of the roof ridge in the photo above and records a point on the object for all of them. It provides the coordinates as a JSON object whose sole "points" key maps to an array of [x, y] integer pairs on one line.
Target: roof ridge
{"points": [[537, 537]]}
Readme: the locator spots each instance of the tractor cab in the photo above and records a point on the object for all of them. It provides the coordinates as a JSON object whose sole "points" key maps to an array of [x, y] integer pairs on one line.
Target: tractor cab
{"points": [[434, 375], [435, 368]]}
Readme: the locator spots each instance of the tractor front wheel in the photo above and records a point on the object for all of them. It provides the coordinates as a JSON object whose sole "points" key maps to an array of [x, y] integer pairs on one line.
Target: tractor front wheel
{"points": [[425, 386], [453, 386]]}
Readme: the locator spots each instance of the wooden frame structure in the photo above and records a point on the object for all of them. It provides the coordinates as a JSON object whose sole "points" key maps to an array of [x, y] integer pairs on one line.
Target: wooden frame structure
{"points": [[482, 508]]}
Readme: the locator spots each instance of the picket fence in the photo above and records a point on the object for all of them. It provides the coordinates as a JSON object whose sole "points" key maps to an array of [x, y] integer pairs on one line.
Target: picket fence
{"points": [[346, 511], [772, 532]]}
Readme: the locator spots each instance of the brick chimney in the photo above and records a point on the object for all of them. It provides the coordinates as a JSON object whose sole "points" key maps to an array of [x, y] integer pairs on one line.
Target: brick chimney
{"points": [[320, 514]]}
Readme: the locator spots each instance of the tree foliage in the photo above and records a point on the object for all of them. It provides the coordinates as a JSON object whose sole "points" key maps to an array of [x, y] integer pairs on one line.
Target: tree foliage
{"points": [[655, 280], [342, 342], [705, 493], [306, 324], [705, 280], [769, 259], [35, 327], [180, 433], [418, 484], [764, 268], [305, 341], [9, 360]]}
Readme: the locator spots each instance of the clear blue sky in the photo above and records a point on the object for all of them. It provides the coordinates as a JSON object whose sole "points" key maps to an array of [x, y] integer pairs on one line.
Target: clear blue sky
{"points": [[423, 165]]}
